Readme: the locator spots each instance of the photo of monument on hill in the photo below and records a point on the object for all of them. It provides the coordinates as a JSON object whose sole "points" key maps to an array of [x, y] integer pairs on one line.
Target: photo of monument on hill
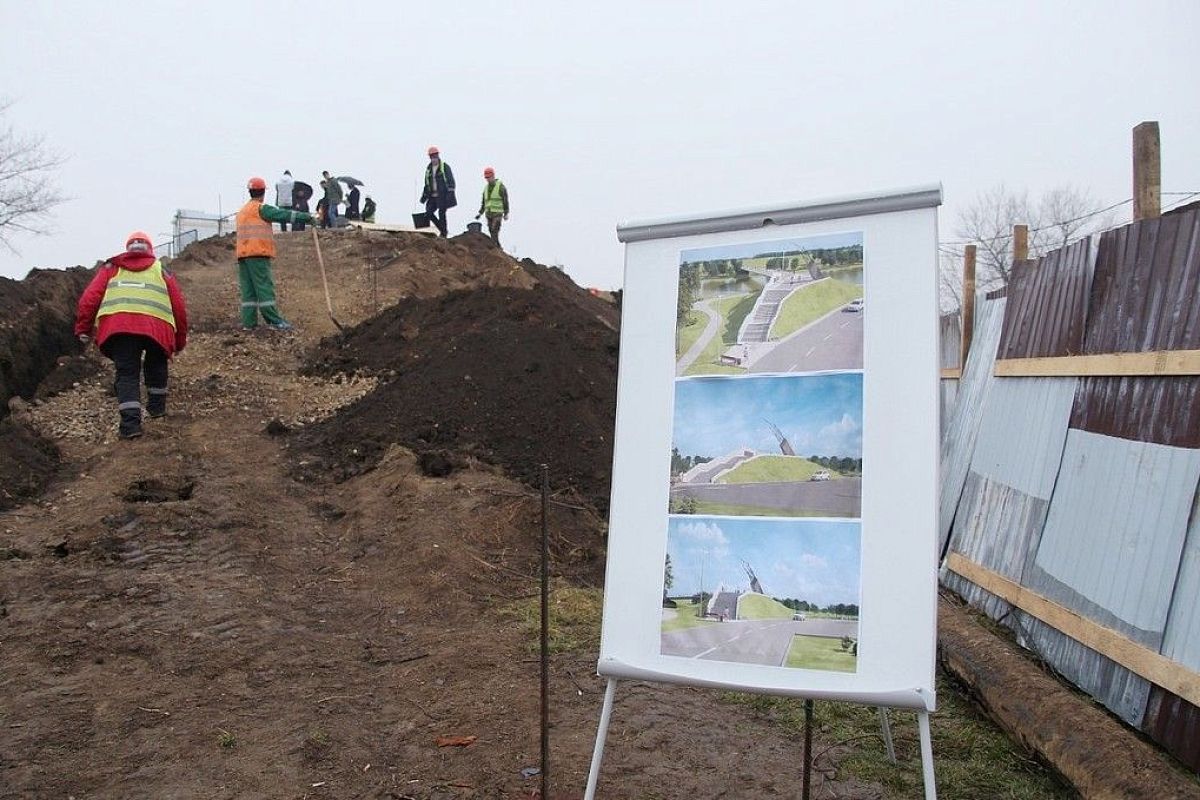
{"points": [[780, 446], [793, 305], [778, 592]]}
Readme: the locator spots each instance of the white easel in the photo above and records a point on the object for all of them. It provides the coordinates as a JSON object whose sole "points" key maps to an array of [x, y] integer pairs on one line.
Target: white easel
{"points": [[885, 728]]}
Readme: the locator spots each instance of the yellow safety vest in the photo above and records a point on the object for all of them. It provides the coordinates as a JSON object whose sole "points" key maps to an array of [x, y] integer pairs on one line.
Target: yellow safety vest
{"points": [[493, 203], [144, 292]]}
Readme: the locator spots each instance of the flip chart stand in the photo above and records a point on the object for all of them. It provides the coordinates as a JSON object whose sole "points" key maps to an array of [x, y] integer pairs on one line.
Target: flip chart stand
{"points": [[885, 729]]}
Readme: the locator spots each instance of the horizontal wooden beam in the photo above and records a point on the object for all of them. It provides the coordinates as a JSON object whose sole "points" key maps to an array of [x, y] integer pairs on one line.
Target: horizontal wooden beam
{"points": [[951, 372], [1158, 362], [1138, 658]]}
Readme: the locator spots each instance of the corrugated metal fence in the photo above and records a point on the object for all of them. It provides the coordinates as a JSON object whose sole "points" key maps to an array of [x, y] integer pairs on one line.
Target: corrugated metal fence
{"points": [[1069, 500]]}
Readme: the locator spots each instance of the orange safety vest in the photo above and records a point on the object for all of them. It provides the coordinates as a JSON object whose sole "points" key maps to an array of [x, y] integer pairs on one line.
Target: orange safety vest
{"points": [[254, 236]]}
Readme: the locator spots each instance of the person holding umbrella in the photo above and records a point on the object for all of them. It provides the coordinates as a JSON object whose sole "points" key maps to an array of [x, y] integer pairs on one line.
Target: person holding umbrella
{"points": [[438, 196], [352, 197], [301, 193]]}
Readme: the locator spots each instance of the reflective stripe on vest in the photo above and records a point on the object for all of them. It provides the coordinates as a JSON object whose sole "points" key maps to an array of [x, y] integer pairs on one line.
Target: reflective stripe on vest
{"points": [[430, 181], [493, 203], [144, 292], [254, 237]]}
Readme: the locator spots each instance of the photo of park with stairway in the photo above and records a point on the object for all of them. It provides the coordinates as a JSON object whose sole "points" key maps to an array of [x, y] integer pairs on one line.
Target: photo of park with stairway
{"points": [[771, 307]]}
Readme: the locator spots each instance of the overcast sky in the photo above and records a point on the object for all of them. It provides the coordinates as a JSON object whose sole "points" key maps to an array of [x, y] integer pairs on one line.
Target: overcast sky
{"points": [[592, 114]]}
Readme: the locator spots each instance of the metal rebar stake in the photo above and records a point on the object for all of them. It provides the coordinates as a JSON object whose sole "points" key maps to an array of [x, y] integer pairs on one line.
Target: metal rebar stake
{"points": [[808, 715], [545, 639]]}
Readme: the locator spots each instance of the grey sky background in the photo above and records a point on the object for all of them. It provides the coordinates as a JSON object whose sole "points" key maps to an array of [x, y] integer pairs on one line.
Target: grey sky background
{"points": [[592, 114]]}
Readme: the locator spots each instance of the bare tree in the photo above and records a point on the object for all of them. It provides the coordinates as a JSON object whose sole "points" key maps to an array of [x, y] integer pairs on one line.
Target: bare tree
{"points": [[1066, 213], [988, 222], [950, 278], [27, 191], [1059, 217]]}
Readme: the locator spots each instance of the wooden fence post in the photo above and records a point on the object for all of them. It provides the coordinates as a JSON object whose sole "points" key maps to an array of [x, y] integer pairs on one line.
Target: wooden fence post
{"points": [[1147, 172], [1020, 243], [968, 304]]}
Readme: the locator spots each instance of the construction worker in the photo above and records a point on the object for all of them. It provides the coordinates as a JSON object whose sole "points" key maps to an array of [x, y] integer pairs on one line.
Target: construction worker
{"points": [[494, 203], [255, 249], [332, 198], [134, 310], [438, 196], [283, 194]]}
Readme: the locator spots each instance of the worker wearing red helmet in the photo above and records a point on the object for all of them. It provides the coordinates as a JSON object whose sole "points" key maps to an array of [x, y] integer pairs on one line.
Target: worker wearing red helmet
{"points": [[438, 196], [494, 203], [255, 249], [134, 310]]}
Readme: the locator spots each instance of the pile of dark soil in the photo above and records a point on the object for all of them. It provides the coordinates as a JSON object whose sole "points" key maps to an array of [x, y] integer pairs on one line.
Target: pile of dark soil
{"points": [[37, 316], [36, 340], [26, 462], [513, 377]]}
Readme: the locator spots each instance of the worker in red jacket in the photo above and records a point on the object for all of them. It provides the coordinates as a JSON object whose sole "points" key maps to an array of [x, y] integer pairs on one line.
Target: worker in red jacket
{"points": [[134, 310]]}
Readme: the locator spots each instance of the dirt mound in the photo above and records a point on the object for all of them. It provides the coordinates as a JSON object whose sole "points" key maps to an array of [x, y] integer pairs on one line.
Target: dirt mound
{"points": [[36, 341], [36, 317], [514, 377], [26, 462]]}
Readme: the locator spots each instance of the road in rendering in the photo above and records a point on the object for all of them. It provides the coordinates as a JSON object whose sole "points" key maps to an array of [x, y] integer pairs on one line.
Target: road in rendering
{"points": [[840, 497], [763, 641], [833, 342]]}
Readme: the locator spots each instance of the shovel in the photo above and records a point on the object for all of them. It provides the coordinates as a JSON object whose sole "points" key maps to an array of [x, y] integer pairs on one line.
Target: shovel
{"points": [[324, 280]]}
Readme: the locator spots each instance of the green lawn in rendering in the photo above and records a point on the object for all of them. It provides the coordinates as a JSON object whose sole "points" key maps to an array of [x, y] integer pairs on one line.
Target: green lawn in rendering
{"points": [[819, 652], [733, 311], [772, 469], [717, 509], [690, 331], [812, 302], [687, 615], [759, 606]]}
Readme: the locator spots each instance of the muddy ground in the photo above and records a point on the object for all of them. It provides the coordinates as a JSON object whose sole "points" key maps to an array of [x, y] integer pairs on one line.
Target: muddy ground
{"points": [[310, 571]]}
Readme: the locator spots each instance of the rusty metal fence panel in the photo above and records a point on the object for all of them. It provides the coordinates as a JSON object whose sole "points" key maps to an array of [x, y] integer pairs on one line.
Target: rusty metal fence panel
{"points": [[1091, 503], [1047, 301]]}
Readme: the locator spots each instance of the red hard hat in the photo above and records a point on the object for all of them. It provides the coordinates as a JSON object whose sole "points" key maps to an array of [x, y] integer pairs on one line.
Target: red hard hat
{"points": [[488, 172], [433, 151], [137, 236], [256, 183]]}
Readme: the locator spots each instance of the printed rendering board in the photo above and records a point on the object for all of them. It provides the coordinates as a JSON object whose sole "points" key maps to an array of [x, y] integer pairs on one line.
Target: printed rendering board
{"points": [[773, 516]]}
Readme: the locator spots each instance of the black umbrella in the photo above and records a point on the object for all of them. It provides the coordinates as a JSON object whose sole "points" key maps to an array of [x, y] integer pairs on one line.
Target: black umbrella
{"points": [[346, 179], [301, 191]]}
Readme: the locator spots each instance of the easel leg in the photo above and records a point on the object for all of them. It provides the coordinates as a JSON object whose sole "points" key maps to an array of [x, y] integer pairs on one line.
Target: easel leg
{"points": [[601, 735], [927, 755], [885, 728]]}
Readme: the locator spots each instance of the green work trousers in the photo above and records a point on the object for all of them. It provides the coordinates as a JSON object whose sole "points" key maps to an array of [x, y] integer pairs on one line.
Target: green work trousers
{"points": [[258, 292]]}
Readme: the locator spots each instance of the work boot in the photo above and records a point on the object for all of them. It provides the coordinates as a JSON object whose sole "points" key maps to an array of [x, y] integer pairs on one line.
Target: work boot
{"points": [[131, 424], [156, 406]]}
